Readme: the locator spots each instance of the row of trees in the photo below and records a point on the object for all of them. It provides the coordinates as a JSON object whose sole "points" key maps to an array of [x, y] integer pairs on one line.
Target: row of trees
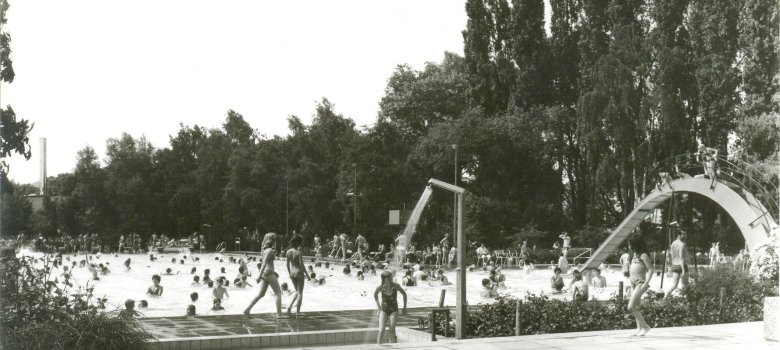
{"points": [[553, 132]]}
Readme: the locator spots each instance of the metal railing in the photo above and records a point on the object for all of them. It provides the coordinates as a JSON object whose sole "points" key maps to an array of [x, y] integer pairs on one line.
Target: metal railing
{"points": [[746, 176]]}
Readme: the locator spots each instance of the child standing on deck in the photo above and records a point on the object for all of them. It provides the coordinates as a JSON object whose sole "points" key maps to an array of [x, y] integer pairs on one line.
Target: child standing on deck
{"points": [[388, 308]]}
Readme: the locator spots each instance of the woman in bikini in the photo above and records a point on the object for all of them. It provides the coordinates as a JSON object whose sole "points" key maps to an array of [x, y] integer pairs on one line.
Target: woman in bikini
{"points": [[296, 270], [388, 308], [268, 277], [640, 273]]}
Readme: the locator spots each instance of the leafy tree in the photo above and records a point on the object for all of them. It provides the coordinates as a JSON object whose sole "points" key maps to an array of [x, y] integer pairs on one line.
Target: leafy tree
{"points": [[129, 169], [530, 55], [15, 209], [714, 41], [14, 133]]}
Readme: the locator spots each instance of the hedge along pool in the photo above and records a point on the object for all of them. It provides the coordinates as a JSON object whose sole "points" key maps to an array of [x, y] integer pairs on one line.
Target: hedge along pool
{"points": [[339, 292]]}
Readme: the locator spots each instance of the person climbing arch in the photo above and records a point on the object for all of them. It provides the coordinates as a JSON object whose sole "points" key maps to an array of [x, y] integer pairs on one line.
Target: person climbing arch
{"points": [[707, 156]]}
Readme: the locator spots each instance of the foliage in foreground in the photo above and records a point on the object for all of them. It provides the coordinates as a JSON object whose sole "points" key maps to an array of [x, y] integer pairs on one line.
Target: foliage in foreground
{"points": [[699, 304], [38, 314]]}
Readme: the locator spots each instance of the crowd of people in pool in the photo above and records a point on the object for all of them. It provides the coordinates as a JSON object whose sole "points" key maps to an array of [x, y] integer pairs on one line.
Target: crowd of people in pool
{"points": [[635, 265]]}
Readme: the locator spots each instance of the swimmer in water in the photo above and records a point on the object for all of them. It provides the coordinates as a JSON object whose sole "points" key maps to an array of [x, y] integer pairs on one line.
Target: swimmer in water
{"points": [[129, 311], [155, 288], [219, 292]]}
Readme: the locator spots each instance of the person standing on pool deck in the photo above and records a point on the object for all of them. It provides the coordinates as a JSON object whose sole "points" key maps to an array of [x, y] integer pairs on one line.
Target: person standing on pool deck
{"points": [[566, 243], [360, 243], [445, 249], [640, 273], [268, 277], [679, 263], [388, 308], [295, 267]]}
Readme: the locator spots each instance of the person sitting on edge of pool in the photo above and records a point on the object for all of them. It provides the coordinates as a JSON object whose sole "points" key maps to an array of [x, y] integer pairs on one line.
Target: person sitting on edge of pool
{"points": [[556, 282], [195, 281], [155, 288], [487, 289]]}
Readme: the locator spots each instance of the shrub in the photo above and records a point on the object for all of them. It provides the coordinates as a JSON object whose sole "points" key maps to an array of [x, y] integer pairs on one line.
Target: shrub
{"points": [[764, 265], [699, 304], [36, 314]]}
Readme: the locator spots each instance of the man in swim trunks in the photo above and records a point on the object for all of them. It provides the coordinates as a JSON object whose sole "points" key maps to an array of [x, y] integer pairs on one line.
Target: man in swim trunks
{"points": [[679, 263], [360, 244]]}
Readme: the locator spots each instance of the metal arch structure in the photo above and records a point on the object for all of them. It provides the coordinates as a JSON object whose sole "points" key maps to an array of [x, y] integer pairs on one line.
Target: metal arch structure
{"points": [[751, 216]]}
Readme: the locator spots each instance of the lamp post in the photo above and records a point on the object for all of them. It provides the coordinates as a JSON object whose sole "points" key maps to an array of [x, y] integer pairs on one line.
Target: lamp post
{"points": [[455, 200], [355, 194]]}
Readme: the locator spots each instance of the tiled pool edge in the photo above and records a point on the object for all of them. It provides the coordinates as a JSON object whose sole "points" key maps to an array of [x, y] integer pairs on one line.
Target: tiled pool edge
{"points": [[290, 339]]}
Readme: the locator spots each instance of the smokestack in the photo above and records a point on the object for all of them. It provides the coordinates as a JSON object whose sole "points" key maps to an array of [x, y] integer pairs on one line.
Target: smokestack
{"points": [[43, 166]]}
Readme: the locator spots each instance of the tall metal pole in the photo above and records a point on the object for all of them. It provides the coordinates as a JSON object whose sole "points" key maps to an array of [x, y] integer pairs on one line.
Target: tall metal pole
{"points": [[354, 169], [460, 309], [455, 200]]}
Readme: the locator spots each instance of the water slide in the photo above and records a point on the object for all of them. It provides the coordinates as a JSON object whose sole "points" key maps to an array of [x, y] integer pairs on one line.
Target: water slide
{"points": [[752, 218]]}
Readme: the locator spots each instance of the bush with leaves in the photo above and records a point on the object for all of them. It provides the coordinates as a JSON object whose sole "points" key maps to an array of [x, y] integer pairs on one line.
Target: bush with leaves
{"points": [[38, 314], [699, 304]]}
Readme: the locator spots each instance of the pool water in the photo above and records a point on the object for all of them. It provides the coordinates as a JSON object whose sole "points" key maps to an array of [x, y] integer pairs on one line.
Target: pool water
{"points": [[340, 292]]}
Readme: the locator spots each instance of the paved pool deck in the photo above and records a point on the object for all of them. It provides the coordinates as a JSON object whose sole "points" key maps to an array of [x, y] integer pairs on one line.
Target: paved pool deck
{"points": [[712, 337], [230, 325]]}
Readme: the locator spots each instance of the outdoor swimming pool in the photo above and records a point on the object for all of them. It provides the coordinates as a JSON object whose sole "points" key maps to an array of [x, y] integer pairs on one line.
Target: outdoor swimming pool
{"points": [[340, 292]]}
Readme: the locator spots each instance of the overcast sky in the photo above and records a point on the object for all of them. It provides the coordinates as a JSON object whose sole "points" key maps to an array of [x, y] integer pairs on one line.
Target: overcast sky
{"points": [[87, 71]]}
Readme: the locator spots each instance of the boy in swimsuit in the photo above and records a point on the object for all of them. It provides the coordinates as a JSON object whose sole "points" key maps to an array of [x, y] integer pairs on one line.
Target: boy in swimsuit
{"points": [[556, 282], [388, 308], [219, 292], [579, 288], [129, 311], [598, 280], [191, 307], [488, 292]]}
